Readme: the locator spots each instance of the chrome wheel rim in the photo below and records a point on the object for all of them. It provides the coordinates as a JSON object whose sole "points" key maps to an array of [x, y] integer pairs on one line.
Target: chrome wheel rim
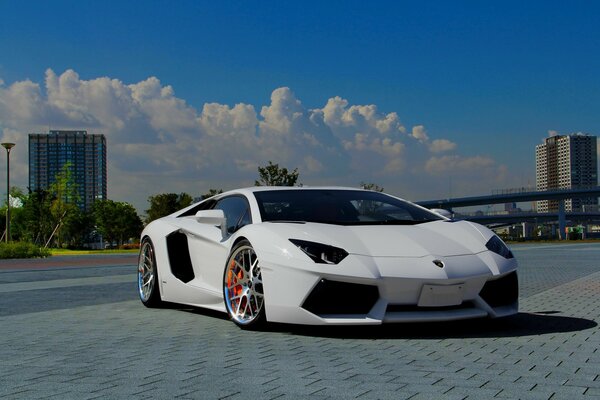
{"points": [[146, 271], [243, 286]]}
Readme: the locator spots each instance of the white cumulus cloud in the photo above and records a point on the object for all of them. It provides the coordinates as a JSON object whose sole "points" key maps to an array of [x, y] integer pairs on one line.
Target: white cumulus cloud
{"points": [[437, 165], [157, 142], [441, 146]]}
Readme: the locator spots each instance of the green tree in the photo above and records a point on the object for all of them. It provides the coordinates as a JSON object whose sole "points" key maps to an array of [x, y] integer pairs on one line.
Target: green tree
{"points": [[371, 186], [35, 219], [17, 200], [116, 221], [165, 204], [211, 193], [129, 224], [273, 175], [77, 227], [64, 202], [104, 213]]}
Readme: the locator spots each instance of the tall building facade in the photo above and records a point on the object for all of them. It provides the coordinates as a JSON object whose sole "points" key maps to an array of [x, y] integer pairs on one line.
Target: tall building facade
{"points": [[86, 153], [566, 162]]}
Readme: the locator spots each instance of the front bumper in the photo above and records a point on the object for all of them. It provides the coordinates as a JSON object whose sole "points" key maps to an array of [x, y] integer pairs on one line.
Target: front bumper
{"points": [[372, 290]]}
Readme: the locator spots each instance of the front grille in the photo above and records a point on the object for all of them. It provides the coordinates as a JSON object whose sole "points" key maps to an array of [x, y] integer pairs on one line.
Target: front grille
{"points": [[331, 297], [501, 292]]}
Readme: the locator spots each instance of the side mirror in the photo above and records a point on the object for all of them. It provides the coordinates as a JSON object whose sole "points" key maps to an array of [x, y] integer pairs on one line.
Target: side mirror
{"points": [[214, 218]]}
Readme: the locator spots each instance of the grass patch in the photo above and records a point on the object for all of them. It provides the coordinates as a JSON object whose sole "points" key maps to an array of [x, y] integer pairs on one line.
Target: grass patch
{"points": [[22, 250], [67, 252]]}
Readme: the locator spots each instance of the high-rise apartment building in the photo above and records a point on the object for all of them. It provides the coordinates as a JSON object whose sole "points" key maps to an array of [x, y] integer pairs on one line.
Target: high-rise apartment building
{"points": [[566, 162], [86, 153]]}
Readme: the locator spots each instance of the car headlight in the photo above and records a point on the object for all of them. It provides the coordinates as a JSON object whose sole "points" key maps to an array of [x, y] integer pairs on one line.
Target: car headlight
{"points": [[496, 245], [321, 253]]}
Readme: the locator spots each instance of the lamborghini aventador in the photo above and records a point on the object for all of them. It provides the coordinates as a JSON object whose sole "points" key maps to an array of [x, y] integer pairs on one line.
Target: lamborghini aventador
{"points": [[325, 255]]}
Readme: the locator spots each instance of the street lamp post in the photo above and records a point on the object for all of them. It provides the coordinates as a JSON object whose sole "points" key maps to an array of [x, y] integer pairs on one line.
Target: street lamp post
{"points": [[8, 146]]}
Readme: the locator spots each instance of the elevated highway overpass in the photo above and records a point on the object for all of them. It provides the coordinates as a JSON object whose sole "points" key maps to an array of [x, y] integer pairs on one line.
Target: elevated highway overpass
{"points": [[515, 218], [518, 197], [521, 197]]}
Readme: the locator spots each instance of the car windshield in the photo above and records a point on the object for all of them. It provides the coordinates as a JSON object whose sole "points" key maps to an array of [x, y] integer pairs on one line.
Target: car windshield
{"points": [[341, 207]]}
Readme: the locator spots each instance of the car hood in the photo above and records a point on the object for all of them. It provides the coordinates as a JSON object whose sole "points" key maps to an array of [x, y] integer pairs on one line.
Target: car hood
{"points": [[438, 238]]}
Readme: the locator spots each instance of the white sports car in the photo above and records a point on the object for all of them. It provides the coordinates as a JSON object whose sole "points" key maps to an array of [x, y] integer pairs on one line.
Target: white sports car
{"points": [[325, 256]]}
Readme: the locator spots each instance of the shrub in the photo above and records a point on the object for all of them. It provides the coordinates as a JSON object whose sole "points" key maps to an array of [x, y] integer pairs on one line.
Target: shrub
{"points": [[129, 246], [22, 250]]}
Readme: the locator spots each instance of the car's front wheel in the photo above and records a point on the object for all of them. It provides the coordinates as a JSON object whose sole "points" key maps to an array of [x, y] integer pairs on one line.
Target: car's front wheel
{"points": [[148, 276], [243, 288]]}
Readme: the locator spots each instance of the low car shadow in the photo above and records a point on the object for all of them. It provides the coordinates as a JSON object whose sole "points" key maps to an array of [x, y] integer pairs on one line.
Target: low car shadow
{"points": [[522, 324]]}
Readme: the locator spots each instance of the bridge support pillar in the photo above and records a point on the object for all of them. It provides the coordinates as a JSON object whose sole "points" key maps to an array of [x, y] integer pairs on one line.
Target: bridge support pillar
{"points": [[562, 222]]}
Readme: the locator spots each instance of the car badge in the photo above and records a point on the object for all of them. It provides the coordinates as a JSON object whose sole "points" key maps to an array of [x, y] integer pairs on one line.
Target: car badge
{"points": [[439, 263]]}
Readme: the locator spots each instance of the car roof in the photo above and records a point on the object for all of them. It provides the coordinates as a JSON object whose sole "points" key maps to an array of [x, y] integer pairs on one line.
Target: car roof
{"points": [[255, 189], [269, 188], [248, 192]]}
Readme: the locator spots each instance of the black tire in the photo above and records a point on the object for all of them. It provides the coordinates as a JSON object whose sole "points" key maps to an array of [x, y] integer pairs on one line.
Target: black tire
{"points": [[242, 287], [148, 284]]}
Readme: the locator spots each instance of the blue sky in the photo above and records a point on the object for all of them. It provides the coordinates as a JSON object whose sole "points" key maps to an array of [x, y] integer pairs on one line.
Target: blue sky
{"points": [[490, 77]]}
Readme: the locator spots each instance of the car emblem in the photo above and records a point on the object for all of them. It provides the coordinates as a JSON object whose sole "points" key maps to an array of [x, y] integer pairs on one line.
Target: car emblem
{"points": [[439, 263]]}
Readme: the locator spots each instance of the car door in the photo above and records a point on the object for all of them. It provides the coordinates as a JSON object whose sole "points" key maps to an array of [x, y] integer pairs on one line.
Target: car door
{"points": [[209, 248]]}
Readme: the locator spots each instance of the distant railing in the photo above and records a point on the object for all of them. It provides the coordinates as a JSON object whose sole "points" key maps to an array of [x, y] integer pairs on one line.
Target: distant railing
{"points": [[492, 213], [530, 189], [523, 189], [586, 208]]}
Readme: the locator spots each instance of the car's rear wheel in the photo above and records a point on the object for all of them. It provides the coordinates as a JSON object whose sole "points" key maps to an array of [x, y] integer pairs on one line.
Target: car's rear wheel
{"points": [[148, 286], [243, 288]]}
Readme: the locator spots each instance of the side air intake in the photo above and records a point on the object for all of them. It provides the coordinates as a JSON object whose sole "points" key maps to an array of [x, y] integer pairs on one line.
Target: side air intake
{"points": [[501, 292], [179, 256], [331, 297]]}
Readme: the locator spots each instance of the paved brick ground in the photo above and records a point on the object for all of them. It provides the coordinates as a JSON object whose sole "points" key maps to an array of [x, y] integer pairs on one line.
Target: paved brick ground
{"points": [[81, 333]]}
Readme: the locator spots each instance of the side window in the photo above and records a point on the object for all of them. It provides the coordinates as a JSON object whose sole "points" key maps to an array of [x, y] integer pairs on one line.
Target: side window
{"points": [[236, 211], [205, 205]]}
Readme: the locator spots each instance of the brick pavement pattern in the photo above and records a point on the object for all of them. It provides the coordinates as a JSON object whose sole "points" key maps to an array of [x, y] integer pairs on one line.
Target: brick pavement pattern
{"points": [[81, 333]]}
